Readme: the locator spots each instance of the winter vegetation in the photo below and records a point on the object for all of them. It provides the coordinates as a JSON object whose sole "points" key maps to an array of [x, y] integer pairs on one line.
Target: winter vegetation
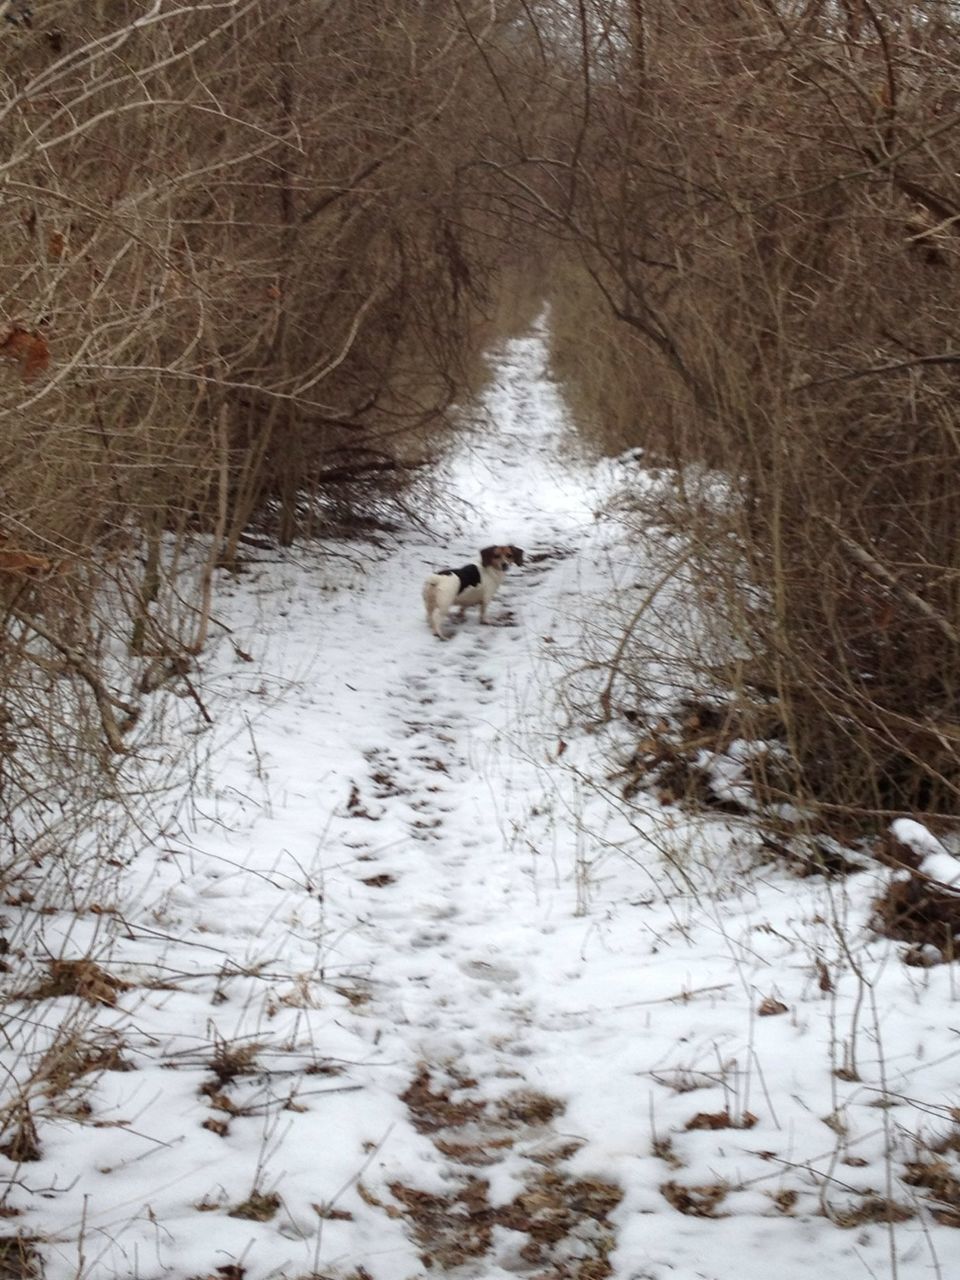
{"points": [[614, 938]]}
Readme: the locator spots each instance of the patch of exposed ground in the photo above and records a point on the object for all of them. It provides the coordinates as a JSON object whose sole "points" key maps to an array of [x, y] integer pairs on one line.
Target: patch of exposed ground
{"points": [[559, 1223]]}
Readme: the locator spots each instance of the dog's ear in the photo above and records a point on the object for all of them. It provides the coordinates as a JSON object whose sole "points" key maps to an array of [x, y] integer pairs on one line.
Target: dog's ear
{"points": [[517, 555], [486, 556]]}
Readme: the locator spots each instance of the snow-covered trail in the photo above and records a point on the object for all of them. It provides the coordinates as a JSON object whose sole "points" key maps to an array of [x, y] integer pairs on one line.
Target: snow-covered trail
{"points": [[458, 924], [395, 982], [345, 933]]}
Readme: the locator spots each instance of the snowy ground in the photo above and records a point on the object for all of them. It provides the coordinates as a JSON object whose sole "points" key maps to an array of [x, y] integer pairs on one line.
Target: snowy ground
{"points": [[409, 988]]}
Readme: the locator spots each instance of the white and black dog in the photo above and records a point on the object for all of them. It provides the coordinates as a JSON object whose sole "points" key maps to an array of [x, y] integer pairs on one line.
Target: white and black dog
{"points": [[476, 583]]}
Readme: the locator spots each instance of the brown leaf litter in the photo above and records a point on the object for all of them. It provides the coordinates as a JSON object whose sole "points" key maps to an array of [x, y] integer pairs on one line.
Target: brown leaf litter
{"points": [[565, 1219], [553, 1211], [82, 978], [696, 1201], [870, 1208], [721, 1120], [260, 1207], [432, 1109]]}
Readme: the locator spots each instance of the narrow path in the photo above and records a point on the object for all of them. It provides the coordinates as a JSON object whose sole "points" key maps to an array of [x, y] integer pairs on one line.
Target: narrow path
{"points": [[453, 929]]}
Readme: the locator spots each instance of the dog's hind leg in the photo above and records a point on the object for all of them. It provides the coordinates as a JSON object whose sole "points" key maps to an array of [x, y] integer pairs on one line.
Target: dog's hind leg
{"points": [[435, 614]]}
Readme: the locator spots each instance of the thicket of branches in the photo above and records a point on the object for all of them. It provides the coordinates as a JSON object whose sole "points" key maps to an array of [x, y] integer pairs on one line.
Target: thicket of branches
{"points": [[246, 249], [240, 276], [758, 209]]}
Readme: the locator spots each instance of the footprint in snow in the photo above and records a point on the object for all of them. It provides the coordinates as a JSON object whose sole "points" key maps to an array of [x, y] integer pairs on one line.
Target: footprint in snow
{"points": [[485, 971]]}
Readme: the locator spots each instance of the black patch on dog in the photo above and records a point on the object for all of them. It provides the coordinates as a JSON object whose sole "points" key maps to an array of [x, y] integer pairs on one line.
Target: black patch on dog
{"points": [[469, 576]]}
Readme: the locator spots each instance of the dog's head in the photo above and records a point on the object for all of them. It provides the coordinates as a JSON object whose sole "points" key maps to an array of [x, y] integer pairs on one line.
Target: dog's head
{"points": [[501, 557]]}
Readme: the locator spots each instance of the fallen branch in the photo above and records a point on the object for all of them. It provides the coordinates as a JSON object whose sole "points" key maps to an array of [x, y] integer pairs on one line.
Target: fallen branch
{"points": [[871, 563], [949, 357]]}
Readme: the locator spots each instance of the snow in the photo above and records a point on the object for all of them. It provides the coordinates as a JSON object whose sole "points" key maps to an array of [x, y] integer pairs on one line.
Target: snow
{"points": [[395, 859], [916, 836], [935, 861]]}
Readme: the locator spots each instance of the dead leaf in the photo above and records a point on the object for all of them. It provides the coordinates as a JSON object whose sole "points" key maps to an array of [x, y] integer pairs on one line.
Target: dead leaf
{"points": [[721, 1120], [28, 350], [769, 1007]]}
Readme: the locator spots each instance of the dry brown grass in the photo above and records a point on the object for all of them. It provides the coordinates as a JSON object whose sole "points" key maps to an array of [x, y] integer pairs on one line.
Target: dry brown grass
{"points": [[83, 978], [259, 1207], [527, 1106], [75, 1057], [871, 1208], [23, 1144], [938, 1176], [19, 1259]]}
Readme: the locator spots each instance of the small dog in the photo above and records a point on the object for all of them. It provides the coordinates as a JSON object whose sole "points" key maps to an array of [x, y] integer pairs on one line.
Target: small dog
{"points": [[476, 583]]}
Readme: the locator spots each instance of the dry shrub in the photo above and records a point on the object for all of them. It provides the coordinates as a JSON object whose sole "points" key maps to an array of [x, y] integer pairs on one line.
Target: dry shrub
{"points": [[231, 1059], [843, 523], [619, 397], [242, 286], [756, 207], [259, 295]]}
